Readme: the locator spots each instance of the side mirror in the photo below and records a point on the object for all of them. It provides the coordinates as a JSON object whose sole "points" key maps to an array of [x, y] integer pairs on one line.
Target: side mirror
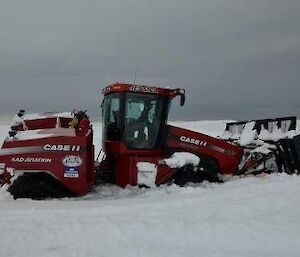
{"points": [[182, 97], [181, 92]]}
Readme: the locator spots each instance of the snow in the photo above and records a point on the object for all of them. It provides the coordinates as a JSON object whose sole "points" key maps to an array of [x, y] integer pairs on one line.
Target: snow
{"points": [[265, 148], [234, 132], [2, 168], [43, 133], [146, 173], [276, 134], [34, 116], [180, 159], [245, 135], [212, 128], [248, 135], [30, 134], [253, 216], [245, 217]]}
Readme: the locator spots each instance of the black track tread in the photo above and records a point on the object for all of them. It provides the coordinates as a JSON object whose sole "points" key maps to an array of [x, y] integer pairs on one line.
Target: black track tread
{"points": [[38, 187]]}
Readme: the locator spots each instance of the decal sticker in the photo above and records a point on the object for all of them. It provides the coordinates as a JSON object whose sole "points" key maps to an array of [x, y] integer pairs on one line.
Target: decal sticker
{"points": [[144, 89], [72, 161], [71, 172], [41, 148], [31, 160], [193, 141], [62, 148]]}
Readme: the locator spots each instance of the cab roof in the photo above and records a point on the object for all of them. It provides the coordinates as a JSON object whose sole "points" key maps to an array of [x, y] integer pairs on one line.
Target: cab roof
{"points": [[123, 87]]}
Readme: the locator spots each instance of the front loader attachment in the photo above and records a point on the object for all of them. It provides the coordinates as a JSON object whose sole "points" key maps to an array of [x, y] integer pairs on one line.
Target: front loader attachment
{"points": [[270, 145], [264, 129]]}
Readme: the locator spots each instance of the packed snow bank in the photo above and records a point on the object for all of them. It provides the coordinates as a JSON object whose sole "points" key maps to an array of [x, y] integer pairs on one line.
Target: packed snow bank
{"points": [[254, 216], [244, 217]]}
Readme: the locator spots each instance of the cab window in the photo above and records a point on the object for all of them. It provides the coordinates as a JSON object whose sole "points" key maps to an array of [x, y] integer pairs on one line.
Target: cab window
{"points": [[142, 120], [111, 117]]}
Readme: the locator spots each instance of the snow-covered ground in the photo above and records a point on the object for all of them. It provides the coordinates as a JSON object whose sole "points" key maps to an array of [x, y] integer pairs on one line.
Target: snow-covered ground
{"points": [[254, 216]]}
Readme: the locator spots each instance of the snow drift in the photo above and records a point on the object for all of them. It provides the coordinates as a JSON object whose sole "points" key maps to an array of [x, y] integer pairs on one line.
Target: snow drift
{"points": [[254, 216]]}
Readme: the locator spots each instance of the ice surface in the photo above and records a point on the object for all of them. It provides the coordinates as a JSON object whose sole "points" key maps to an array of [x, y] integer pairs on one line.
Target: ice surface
{"points": [[245, 217], [254, 216]]}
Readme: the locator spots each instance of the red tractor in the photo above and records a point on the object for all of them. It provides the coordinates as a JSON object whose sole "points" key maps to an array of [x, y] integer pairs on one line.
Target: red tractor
{"points": [[52, 154]]}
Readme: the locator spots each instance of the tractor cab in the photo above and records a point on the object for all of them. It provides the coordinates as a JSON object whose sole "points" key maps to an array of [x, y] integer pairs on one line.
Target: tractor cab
{"points": [[134, 119], [136, 115]]}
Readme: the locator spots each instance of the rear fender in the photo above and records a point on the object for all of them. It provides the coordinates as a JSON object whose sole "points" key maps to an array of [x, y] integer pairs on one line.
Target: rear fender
{"points": [[226, 155]]}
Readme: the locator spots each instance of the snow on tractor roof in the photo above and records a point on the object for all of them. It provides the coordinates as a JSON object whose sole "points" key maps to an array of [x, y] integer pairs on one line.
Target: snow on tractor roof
{"points": [[43, 133], [45, 115]]}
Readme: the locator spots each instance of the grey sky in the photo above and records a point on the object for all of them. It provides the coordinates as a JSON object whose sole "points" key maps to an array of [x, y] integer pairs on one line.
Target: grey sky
{"points": [[235, 58]]}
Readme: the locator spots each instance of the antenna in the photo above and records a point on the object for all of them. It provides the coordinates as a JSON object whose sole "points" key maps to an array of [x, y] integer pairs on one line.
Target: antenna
{"points": [[135, 72]]}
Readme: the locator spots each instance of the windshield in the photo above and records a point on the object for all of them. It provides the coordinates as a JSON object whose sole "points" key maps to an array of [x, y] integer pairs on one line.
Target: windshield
{"points": [[143, 115], [135, 118]]}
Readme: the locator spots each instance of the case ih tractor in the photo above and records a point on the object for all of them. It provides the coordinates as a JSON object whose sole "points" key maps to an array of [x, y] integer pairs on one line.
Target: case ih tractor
{"points": [[52, 154]]}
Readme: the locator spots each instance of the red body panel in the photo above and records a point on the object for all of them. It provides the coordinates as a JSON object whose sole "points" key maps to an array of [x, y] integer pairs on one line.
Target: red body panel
{"points": [[227, 155], [125, 160], [126, 168], [65, 153]]}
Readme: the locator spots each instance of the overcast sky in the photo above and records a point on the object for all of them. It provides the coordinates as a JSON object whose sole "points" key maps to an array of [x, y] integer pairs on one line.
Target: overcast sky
{"points": [[236, 59]]}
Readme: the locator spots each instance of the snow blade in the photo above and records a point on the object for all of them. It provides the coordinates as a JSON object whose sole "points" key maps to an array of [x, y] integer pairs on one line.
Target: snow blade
{"points": [[283, 125]]}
